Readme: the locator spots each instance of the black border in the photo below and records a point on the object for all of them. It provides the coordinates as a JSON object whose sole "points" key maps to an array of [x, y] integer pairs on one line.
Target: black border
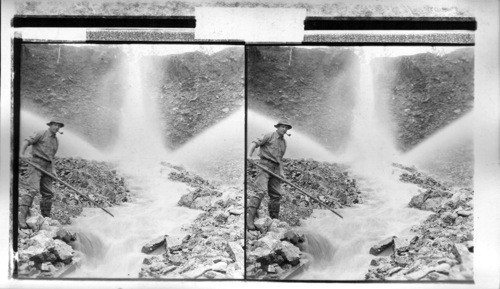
{"points": [[15, 134], [390, 23], [311, 23], [69, 21]]}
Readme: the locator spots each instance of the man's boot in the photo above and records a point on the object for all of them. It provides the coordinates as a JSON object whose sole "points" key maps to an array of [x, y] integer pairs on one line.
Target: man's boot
{"points": [[45, 207], [24, 207], [274, 209], [252, 207]]}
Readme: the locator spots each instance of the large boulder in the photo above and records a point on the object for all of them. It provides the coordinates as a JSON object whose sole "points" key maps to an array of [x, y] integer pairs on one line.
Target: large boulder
{"points": [[382, 246], [263, 224], [63, 251], [290, 253], [153, 244], [235, 250]]}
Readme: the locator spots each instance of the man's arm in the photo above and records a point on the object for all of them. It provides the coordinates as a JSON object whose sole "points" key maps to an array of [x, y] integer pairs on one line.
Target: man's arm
{"points": [[253, 145], [25, 145]]}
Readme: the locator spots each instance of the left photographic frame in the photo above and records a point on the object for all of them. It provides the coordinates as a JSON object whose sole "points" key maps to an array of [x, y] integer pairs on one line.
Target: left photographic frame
{"points": [[128, 161]]}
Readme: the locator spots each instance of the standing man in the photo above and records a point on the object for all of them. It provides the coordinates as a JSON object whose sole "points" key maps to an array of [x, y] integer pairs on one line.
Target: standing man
{"points": [[272, 148], [44, 147]]}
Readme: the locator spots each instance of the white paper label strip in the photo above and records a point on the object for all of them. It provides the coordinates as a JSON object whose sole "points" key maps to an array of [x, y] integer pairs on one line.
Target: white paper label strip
{"points": [[250, 24], [53, 34]]}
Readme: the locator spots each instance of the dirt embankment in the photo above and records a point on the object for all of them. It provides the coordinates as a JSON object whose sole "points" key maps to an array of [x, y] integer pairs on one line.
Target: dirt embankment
{"points": [[195, 90], [85, 87], [45, 248], [314, 88], [209, 248], [441, 248], [79, 84], [425, 92], [275, 250]]}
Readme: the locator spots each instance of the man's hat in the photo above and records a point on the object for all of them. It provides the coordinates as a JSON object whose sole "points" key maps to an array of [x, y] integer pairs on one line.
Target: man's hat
{"points": [[283, 122], [55, 120]]}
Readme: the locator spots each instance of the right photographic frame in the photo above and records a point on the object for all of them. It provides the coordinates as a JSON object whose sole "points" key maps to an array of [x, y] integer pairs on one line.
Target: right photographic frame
{"points": [[360, 163]]}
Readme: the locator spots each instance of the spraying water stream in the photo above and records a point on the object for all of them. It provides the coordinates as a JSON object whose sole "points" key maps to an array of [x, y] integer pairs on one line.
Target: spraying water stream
{"points": [[112, 246], [341, 250]]}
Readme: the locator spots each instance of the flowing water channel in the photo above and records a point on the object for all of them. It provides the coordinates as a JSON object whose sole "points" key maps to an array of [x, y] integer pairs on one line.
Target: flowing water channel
{"points": [[339, 248]]}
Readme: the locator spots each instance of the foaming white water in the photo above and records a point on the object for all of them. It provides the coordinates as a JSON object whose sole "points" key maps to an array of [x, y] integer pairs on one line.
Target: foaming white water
{"points": [[217, 153], [348, 241], [384, 213], [112, 246], [298, 145], [70, 144]]}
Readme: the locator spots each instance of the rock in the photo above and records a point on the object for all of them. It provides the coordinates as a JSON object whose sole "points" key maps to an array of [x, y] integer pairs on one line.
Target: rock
{"points": [[43, 240], [63, 251], [31, 251], [64, 235], [153, 244], [34, 222], [394, 271], [263, 224], [432, 204], [402, 260], [202, 203], [43, 257], [461, 272], [417, 201], [173, 243], [214, 275], [435, 276], [168, 269], [424, 250], [268, 242], [236, 252], [25, 233], [220, 266], [449, 218], [193, 274], [417, 275], [470, 246], [290, 253], [45, 267], [271, 269], [381, 246], [270, 258], [234, 271], [293, 237], [176, 259], [374, 262], [236, 211], [462, 253], [259, 253], [442, 268], [464, 213], [402, 244]]}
